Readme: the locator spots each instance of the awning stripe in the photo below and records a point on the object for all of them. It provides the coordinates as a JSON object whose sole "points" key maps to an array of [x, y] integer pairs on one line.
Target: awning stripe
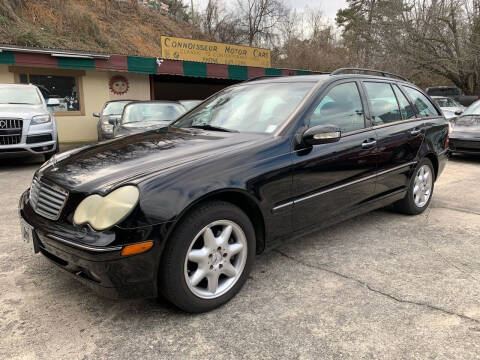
{"points": [[144, 65]]}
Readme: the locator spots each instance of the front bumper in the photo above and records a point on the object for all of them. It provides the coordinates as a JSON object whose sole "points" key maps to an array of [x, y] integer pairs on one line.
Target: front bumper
{"points": [[101, 267], [34, 139]]}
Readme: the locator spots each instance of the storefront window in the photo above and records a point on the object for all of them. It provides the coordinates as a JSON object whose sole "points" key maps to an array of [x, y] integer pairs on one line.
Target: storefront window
{"points": [[63, 88]]}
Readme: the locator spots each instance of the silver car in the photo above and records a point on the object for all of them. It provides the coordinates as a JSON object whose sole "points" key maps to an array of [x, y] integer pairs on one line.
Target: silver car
{"points": [[450, 107], [26, 124]]}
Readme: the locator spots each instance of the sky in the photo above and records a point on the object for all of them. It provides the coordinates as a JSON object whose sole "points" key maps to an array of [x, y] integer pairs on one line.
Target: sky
{"points": [[329, 7]]}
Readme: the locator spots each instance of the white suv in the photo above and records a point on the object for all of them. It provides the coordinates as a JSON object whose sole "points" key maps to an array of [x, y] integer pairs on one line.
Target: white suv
{"points": [[26, 124]]}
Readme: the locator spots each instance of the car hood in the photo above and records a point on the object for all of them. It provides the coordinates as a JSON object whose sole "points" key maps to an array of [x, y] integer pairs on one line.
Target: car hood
{"points": [[106, 165], [19, 111]]}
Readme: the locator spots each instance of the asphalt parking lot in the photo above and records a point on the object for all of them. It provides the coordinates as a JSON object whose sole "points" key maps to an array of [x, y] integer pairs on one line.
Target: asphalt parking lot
{"points": [[380, 286]]}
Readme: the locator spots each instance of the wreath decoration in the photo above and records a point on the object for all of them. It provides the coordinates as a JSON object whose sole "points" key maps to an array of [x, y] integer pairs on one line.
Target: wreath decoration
{"points": [[119, 85]]}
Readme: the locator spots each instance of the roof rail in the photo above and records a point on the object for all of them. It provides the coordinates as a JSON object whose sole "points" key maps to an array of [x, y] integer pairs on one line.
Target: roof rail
{"points": [[383, 73], [263, 77]]}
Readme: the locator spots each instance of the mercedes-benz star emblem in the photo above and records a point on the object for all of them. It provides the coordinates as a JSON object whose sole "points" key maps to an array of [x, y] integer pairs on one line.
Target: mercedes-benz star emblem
{"points": [[3, 124]]}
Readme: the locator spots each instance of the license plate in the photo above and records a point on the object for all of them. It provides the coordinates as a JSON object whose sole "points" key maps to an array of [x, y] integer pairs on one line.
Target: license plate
{"points": [[27, 231]]}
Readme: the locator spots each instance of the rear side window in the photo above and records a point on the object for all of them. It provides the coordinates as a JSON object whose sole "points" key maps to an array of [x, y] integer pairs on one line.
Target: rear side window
{"points": [[405, 107], [341, 106], [424, 106], [383, 103], [443, 91]]}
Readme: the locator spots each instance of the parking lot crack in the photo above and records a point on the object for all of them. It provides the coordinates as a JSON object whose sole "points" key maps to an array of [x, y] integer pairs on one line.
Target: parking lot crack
{"points": [[377, 291]]}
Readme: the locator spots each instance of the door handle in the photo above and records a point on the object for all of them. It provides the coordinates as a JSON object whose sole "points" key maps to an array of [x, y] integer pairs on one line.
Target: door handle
{"points": [[416, 132], [369, 143]]}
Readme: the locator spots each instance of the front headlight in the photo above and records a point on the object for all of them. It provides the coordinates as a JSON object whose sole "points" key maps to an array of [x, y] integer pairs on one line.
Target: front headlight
{"points": [[107, 128], [41, 119], [104, 212]]}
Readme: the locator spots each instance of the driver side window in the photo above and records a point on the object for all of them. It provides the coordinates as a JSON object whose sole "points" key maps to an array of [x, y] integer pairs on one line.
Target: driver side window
{"points": [[342, 107]]}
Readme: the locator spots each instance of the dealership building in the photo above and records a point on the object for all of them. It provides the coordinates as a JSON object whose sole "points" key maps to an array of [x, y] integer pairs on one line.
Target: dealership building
{"points": [[84, 81]]}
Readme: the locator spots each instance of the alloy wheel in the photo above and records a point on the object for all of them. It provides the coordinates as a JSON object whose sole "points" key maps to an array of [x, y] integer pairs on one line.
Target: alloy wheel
{"points": [[215, 259], [422, 188]]}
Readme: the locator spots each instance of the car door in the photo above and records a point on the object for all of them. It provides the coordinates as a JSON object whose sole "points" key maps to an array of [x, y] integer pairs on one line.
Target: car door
{"points": [[400, 133], [329, 179]]}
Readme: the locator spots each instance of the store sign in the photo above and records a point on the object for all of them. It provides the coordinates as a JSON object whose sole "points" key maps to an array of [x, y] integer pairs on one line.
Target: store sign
{"points": [[212, 52]]}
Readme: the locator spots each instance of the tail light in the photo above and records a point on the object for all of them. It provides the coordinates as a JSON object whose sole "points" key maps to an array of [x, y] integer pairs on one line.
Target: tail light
{"points": [[447, 142]]}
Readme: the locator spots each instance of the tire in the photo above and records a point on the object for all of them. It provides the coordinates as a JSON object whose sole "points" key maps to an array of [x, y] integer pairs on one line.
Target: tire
{"points": [[220, 240], [412, 203]]}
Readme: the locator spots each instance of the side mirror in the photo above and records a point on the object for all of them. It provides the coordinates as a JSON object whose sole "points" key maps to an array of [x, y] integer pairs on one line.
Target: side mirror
{"points": [[458, 112], [53, 102], [321, 134], [114, 120], [96, 114]]}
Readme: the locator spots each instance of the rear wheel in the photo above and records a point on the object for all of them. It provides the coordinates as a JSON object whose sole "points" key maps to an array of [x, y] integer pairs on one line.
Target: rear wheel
{"points": [[420, 189], [208, 257]]}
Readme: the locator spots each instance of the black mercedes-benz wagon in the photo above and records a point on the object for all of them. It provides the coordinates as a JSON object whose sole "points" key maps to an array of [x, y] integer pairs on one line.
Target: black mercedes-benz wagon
{"points": [[182, 210]]}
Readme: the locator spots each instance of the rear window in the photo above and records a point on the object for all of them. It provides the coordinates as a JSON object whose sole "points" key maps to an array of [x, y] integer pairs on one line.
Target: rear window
{"points": [[423, 104]]}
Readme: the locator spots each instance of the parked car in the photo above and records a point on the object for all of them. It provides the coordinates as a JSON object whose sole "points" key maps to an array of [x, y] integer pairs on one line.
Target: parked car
{"points": [[143, 115], [112, 110], [452, 92], [189, 104], [465, 135], [27, 126], [450, 107], [183, 210]]}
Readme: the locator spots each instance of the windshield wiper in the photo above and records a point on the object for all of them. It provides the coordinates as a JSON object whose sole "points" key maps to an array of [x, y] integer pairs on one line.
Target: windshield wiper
{"points": [[213, 128], [17, 103]]}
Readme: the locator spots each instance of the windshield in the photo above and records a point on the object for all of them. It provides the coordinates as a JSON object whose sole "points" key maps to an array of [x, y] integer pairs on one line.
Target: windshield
{"points": [[446, 102], [19, 95], [114, 108], [473, 109], [137, 112], [190, 104], [248, 108]]}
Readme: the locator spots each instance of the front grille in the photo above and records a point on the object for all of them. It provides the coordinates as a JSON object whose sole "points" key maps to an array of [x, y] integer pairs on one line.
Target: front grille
{"points": [[47, 200], [10, 131]]}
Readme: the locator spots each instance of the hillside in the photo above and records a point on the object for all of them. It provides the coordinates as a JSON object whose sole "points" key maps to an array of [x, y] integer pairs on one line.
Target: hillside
{"points": [[105, 26]]}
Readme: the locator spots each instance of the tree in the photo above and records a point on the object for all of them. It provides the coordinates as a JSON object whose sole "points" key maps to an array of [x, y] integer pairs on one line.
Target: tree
{"points": [[178, 9], [219, 24], [442, 37], [259, 19]]}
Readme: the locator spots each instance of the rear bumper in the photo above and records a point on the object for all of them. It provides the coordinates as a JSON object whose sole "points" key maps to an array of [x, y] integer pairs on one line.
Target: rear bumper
{"points": [[465, 146], [102, 268]]}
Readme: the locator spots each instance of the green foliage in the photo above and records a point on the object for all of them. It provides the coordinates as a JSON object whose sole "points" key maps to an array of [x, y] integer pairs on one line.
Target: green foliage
{"points": [[3, 20], [29, 37], [83, 26], [178, 8]]}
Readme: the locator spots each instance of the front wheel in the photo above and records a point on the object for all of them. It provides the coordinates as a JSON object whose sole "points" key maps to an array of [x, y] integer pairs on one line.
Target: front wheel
{"points": [[420, 189], [208, 257]]}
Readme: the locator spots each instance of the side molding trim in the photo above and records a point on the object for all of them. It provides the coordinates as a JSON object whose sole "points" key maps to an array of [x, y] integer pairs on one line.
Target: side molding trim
{"points": [[338, 187]]}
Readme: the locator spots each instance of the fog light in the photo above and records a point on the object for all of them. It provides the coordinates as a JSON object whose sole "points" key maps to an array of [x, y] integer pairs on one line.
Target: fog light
{"points": [[137, 248]]}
